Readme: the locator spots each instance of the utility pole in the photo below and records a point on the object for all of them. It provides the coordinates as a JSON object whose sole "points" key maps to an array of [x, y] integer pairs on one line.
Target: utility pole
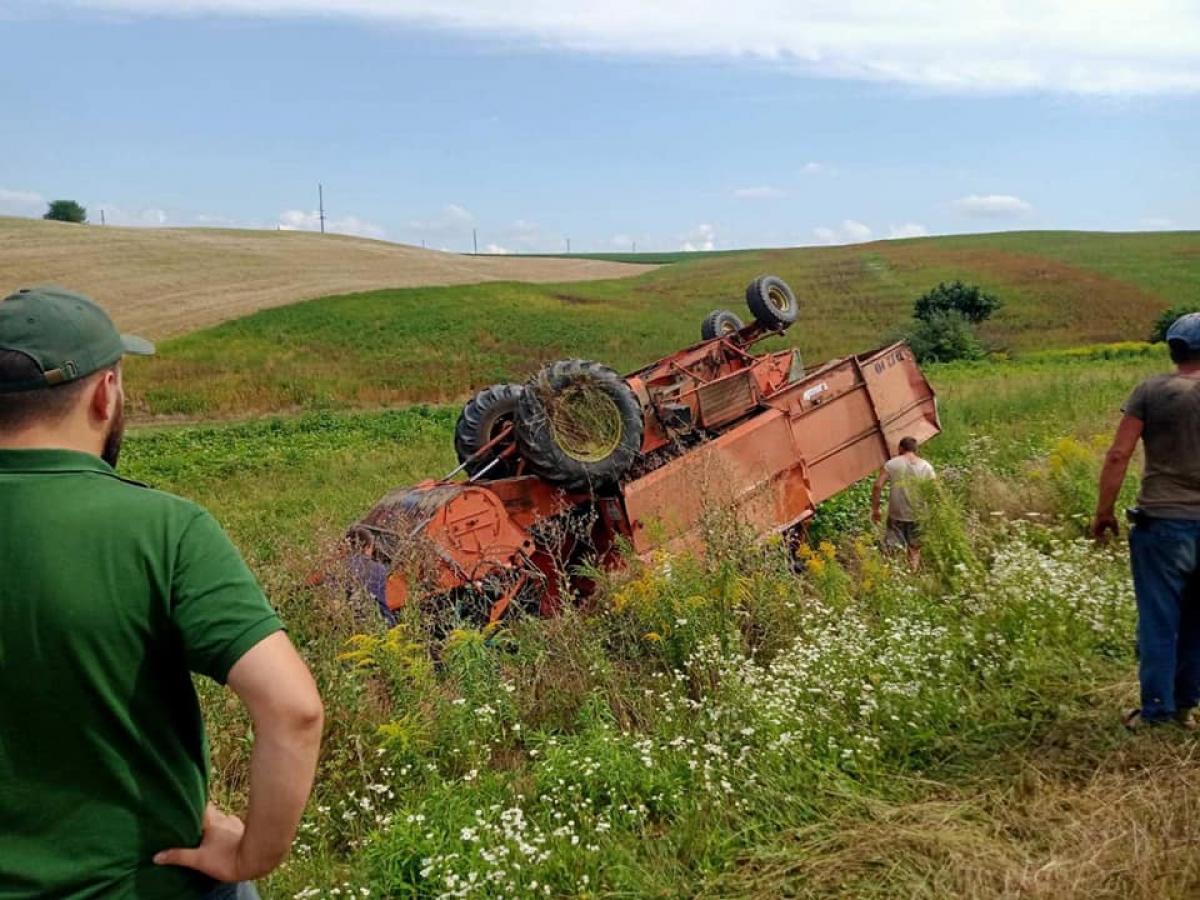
{"points": [[101, 217], [321, 205], [475, 240], [568, 246], [634, 247]]}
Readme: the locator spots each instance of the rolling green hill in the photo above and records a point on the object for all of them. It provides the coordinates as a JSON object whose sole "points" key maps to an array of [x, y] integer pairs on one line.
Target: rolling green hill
{"points": [[437, 344]]}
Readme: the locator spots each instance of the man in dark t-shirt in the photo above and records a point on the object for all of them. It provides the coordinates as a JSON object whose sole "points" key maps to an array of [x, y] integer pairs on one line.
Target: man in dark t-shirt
{"points": [[1164, 413], [111, 596]]}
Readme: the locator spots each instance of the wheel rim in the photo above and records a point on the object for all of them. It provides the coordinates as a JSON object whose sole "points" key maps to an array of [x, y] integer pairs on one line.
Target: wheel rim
{"points": [[727, 327], [778, 299], [586, 424]]}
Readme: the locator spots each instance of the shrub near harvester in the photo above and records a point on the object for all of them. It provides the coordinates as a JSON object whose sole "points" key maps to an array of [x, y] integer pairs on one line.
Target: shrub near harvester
{"points": [[579, 465]]}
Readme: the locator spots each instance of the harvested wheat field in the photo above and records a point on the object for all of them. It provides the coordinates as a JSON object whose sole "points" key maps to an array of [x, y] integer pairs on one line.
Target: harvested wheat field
{"points": [[166, 281]]}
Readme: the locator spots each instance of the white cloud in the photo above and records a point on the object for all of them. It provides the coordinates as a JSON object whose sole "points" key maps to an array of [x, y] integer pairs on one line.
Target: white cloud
{"points": [[992, 206], [114, 214], [1156, 223], [310, 220], [761, 192], [21, 203], [856, 231], [1076, 46], [702, 237], [525, 236], [450, 220], [850, 231], [907, 230], [496, 248], [813, 168]]}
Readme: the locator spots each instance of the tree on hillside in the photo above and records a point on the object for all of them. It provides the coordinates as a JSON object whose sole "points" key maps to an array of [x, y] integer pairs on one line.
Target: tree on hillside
{"points": [[1167, 319], [970, 301], [65, 211], [944, 320], [944, 337]]}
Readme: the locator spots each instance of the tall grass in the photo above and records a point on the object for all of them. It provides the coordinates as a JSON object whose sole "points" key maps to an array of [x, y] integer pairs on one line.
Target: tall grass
{"points": [[718, 726], [703, 708]]}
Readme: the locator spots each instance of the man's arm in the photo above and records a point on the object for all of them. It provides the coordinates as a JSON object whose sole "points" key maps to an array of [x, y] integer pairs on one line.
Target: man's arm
{"points": [[278, 690], [1112, 475], [876, 493]]}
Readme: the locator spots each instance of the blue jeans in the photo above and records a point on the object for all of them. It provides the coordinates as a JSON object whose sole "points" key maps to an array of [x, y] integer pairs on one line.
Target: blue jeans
{"points": [[241, 890], [1165, 554]]}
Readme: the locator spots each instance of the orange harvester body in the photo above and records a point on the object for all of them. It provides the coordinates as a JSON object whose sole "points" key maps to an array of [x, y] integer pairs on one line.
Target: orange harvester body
{"points": [[724, 429]]}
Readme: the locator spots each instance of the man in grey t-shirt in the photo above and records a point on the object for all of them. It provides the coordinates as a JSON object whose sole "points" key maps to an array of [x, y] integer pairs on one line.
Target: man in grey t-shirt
{"points": [[1164, 413], [902, 471]]}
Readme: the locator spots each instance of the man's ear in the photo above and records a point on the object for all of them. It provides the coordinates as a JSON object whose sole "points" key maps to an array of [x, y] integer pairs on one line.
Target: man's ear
{"points": [[105, 396]]}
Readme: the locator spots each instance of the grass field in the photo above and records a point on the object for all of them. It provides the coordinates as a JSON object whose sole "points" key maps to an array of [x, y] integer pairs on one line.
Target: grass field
{"points": [[435, 345], [159, 282], [726, 729], [716, 727]]}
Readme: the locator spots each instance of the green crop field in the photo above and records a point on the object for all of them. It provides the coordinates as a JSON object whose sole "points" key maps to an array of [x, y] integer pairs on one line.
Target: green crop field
{"points": [[435, 345], [717, 728]]}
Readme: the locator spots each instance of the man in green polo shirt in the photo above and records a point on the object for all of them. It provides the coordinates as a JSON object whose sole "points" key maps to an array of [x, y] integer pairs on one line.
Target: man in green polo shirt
{"points": [[111, 596]]}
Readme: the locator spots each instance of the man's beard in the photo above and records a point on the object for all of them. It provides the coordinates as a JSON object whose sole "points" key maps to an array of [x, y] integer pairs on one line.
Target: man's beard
{"points": [[116, 434]]}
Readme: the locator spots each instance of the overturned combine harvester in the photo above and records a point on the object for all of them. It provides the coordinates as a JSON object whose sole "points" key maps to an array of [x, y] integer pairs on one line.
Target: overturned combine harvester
{"points": [[579, 466]]}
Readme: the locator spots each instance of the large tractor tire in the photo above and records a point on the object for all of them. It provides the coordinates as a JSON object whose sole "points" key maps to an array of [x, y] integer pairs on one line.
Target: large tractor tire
{"points": [[720, 323], [579, 425], [481, 421], [772, 302]]}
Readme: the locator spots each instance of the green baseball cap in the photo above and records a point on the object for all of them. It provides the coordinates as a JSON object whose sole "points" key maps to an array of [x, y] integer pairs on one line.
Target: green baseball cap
{"points": [[66, 334]]}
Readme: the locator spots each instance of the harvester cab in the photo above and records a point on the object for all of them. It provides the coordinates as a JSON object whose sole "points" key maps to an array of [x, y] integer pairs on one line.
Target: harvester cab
{"points": [[579, 466]]}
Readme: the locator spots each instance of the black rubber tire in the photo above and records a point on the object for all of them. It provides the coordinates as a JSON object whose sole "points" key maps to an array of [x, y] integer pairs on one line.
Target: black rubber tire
{"points": [[772, 302], [720, 323], [480, 421], [535, 433]]}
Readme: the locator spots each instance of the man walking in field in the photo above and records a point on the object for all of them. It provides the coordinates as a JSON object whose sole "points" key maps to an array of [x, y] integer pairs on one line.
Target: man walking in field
{"points": [[902, 472], [1164, 413], [111, 595]]}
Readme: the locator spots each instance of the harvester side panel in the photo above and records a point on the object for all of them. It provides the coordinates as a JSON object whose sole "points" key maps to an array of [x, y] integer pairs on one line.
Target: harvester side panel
{"points": [[753, 468], [903, 398], [848, 418]]}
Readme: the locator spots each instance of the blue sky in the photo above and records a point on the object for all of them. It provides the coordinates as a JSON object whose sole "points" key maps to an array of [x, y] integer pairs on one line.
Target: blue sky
{"points": [[755, 124]]}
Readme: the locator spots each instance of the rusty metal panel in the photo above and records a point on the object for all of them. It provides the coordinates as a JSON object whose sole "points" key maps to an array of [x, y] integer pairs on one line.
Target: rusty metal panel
{"points": [[726, 399], [840, 441], [848, 417], [903, 400], [753, 469]]}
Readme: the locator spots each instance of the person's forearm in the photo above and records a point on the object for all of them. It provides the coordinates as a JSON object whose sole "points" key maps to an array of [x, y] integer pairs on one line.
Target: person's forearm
{"points": [[876, 495], [1112, 476], [282, 766]]}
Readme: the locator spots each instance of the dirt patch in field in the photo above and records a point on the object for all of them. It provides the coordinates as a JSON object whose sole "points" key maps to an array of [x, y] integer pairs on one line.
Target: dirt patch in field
{"points": [[162, 282]]}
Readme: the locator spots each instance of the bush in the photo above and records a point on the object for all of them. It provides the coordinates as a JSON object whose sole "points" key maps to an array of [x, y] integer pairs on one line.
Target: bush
{"points": [[1167, 319], [944, 337], [970, 301], [65, 211]]}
